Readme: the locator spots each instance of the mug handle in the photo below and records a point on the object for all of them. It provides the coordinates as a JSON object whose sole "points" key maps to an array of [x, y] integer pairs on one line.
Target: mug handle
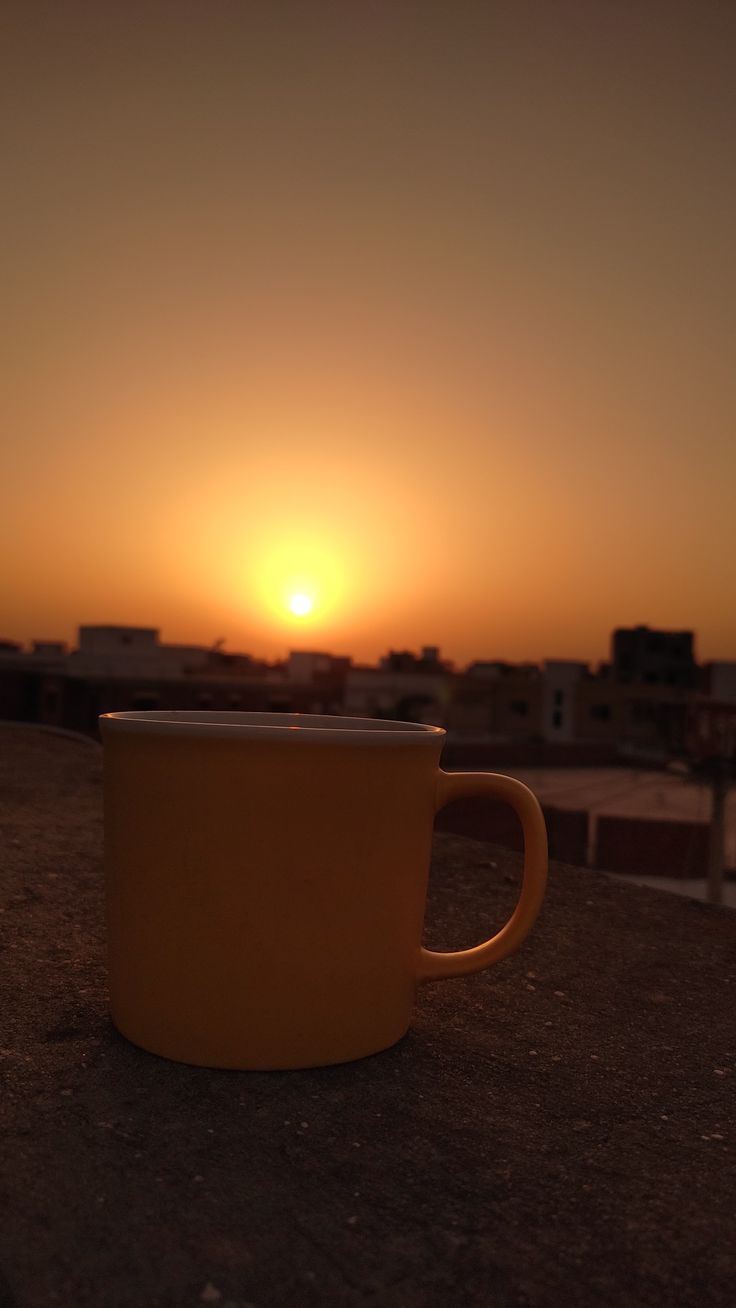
{"points": [[455, 785]]}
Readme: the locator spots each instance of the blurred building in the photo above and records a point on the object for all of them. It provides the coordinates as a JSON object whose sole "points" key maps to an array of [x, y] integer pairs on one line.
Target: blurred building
{"points": [[115, 668], [641, 705], [427, 661], [648, 699], [320, 675], [649, 718], [405, 686], [496, 701], [123, 651], [654, 658], [561, 678]]}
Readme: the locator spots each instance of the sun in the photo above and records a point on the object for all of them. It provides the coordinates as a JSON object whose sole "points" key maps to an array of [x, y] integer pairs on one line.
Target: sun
{"points": [[300, 604], [299, 580]]}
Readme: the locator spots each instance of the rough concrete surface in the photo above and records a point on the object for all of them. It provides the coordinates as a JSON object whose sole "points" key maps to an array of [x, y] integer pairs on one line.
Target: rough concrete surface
{"points": [[556, 1131]]}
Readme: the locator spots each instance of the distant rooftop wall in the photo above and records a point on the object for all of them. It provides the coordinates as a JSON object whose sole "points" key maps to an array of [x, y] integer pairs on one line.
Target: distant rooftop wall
{"points": [[647, 846], [111, 640]]}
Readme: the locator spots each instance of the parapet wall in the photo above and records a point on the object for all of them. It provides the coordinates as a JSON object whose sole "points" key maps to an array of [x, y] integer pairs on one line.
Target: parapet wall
{"points": [[647, 846]]}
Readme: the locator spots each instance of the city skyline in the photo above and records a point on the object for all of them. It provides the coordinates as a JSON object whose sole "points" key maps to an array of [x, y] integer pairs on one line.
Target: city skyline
{"points": [[426, 650], [651, 694]]}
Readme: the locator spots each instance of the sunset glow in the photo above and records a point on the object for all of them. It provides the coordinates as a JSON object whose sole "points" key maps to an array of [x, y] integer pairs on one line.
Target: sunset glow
{"points": [[301, 349]]}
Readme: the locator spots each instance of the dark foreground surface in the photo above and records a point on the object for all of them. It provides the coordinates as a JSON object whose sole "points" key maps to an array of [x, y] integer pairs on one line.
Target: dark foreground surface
{"points": [[556, 1131]]}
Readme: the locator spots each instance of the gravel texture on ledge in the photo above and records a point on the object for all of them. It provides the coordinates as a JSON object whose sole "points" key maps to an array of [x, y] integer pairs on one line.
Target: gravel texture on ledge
{"points": [[556, 1131]]}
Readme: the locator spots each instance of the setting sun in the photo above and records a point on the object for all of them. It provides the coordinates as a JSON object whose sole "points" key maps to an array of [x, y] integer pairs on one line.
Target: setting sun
{"points": [[296, 575], [300, 605]]}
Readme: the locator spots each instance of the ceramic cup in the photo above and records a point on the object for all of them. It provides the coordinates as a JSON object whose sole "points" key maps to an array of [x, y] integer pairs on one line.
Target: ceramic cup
{"points": [[266, 876]]}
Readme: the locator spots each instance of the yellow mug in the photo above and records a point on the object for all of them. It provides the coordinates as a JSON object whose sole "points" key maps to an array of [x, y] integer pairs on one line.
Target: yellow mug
{"points": [[266, 877]]}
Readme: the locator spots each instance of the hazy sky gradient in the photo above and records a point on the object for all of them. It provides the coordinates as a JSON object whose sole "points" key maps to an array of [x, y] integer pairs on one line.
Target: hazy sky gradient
{"points": [[434, 304]]}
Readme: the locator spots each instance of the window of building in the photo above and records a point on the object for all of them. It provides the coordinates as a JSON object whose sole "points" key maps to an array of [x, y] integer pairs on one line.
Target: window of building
{"points": [[601, 712], [519, 707], [559, 698], [557, 718]]}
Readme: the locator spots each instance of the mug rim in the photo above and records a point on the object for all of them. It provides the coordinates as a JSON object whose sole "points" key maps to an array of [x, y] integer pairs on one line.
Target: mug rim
{"points": [[315, 727]]}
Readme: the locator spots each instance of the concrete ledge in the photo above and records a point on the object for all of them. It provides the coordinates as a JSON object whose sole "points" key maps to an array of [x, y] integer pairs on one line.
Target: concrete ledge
{"points": [[553, 1132]]}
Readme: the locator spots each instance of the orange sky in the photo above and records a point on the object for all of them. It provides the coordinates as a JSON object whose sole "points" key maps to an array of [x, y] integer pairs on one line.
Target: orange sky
{"points": [[426, 307]]}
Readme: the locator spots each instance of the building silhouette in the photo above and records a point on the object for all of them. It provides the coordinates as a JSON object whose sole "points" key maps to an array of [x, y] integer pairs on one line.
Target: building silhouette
{"points": [[654, 658], [642, 701]]}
